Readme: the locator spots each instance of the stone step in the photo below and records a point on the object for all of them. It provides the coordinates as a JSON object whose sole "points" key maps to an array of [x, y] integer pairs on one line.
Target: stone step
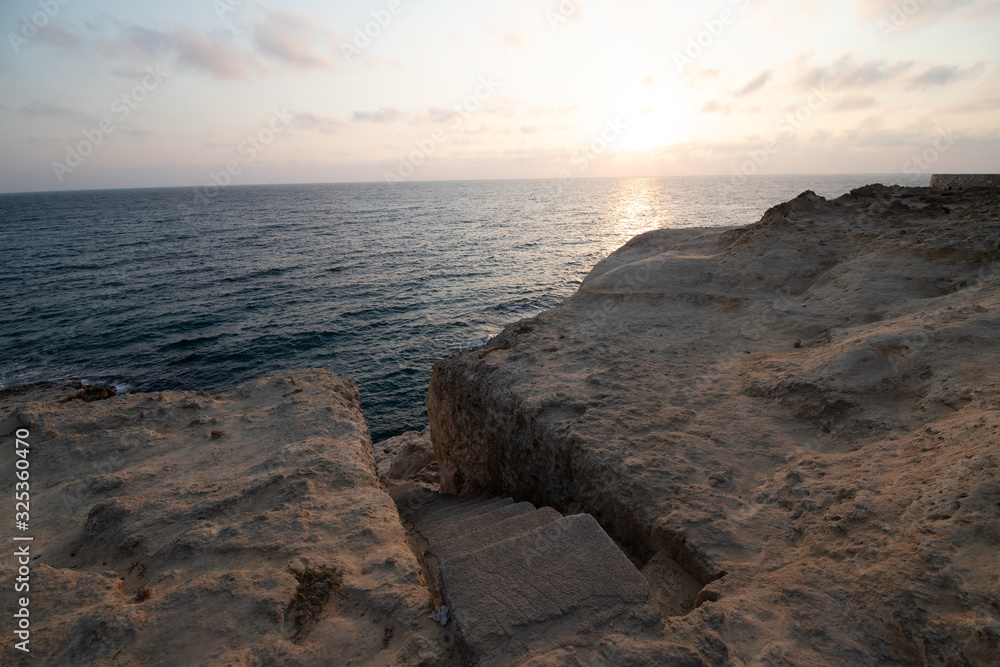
{"points": [[412, 499], [539, 587], [442, 515], [462, 545], [449, 528], [445, 511], [517, 578], [420, 506]]}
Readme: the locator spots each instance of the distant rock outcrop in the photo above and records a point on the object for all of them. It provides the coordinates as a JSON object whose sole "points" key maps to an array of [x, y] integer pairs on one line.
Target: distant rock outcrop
{"points": [[964, 181], [801, 417]]}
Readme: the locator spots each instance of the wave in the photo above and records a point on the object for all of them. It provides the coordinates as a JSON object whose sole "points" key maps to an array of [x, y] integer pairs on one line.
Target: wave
{"points": [[257, 275], [186, 343]]}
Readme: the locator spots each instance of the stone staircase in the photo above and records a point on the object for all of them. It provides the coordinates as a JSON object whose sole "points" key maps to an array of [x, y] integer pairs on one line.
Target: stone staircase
{"points": [[516, 578]]}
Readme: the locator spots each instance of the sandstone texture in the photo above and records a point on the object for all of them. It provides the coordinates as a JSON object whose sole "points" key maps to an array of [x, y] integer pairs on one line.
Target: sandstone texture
{"points": [[793, 428], [181, 528]]}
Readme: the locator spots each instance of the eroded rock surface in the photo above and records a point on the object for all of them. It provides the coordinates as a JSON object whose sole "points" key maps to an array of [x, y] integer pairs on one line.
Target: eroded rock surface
{"points": [[409, 457], [182, 528], [801, 416]]}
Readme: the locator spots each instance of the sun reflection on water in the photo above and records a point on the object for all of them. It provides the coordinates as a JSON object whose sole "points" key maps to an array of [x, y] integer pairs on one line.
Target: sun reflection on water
{"points": [[636, 207]]}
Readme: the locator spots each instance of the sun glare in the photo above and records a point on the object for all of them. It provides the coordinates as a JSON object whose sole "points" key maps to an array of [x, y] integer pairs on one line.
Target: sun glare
{"points": [[653, 117]]}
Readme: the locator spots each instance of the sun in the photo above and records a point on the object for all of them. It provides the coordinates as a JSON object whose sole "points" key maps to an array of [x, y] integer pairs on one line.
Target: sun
{"points": [[653, 117]]}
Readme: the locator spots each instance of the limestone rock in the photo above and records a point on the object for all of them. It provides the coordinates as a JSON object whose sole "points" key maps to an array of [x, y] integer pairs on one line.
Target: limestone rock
{"points": [[801, 415], [408, 457], [515, 580], [160, 542], [542, 587]]}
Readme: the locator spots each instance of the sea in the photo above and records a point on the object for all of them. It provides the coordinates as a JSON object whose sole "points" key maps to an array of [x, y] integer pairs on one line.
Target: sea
{"points": [[181, 288]]}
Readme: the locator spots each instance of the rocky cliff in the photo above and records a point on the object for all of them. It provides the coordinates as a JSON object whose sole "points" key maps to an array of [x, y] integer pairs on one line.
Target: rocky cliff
{"points": [[791, 427], [182, 528]]}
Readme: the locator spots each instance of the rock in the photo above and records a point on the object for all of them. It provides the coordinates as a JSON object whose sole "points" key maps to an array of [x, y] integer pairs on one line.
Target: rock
{"points": [[441, 615], [964, 181], [472, 540], [247, 527], [540, 588], [408, 457], [516, 580], [91, 393], [831, 503]]}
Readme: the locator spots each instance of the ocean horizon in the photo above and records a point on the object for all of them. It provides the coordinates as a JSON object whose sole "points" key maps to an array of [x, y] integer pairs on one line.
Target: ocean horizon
{"points": [[191, 288]]}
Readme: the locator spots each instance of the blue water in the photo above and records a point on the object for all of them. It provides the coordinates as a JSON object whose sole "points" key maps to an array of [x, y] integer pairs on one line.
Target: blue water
{"points": [[168, 289]]}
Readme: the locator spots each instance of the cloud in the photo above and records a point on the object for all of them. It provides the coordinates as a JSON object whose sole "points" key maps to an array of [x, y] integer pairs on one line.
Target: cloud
{"points": [[715, 106], [502, 107], [310, 121], [277, 38], [700, 78], [38, 109], [853, 103], [383, 115], [982, 104], [286, 38], [846, 73], [758, 82], [61, 38], [136, 42], [434, 115], [217, 53], [901, 15], [212, 54], [560, 110], [942, 75]]}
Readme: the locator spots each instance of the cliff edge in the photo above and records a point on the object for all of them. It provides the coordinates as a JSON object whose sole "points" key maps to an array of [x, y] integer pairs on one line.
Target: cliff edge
{"points": [[791, 427], [182, 528]]}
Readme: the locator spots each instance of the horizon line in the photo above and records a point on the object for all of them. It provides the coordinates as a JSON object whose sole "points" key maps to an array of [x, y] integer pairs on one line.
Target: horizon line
{"points": [[462, 180]]}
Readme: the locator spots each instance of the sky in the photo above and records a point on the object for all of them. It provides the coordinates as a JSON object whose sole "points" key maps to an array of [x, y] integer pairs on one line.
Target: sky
{"points": [[118, 94]]}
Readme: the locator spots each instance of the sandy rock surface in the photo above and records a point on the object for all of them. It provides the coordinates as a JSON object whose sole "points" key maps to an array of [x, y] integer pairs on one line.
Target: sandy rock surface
{"points": [[409, 457], [794, 427], [181, 528]]}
